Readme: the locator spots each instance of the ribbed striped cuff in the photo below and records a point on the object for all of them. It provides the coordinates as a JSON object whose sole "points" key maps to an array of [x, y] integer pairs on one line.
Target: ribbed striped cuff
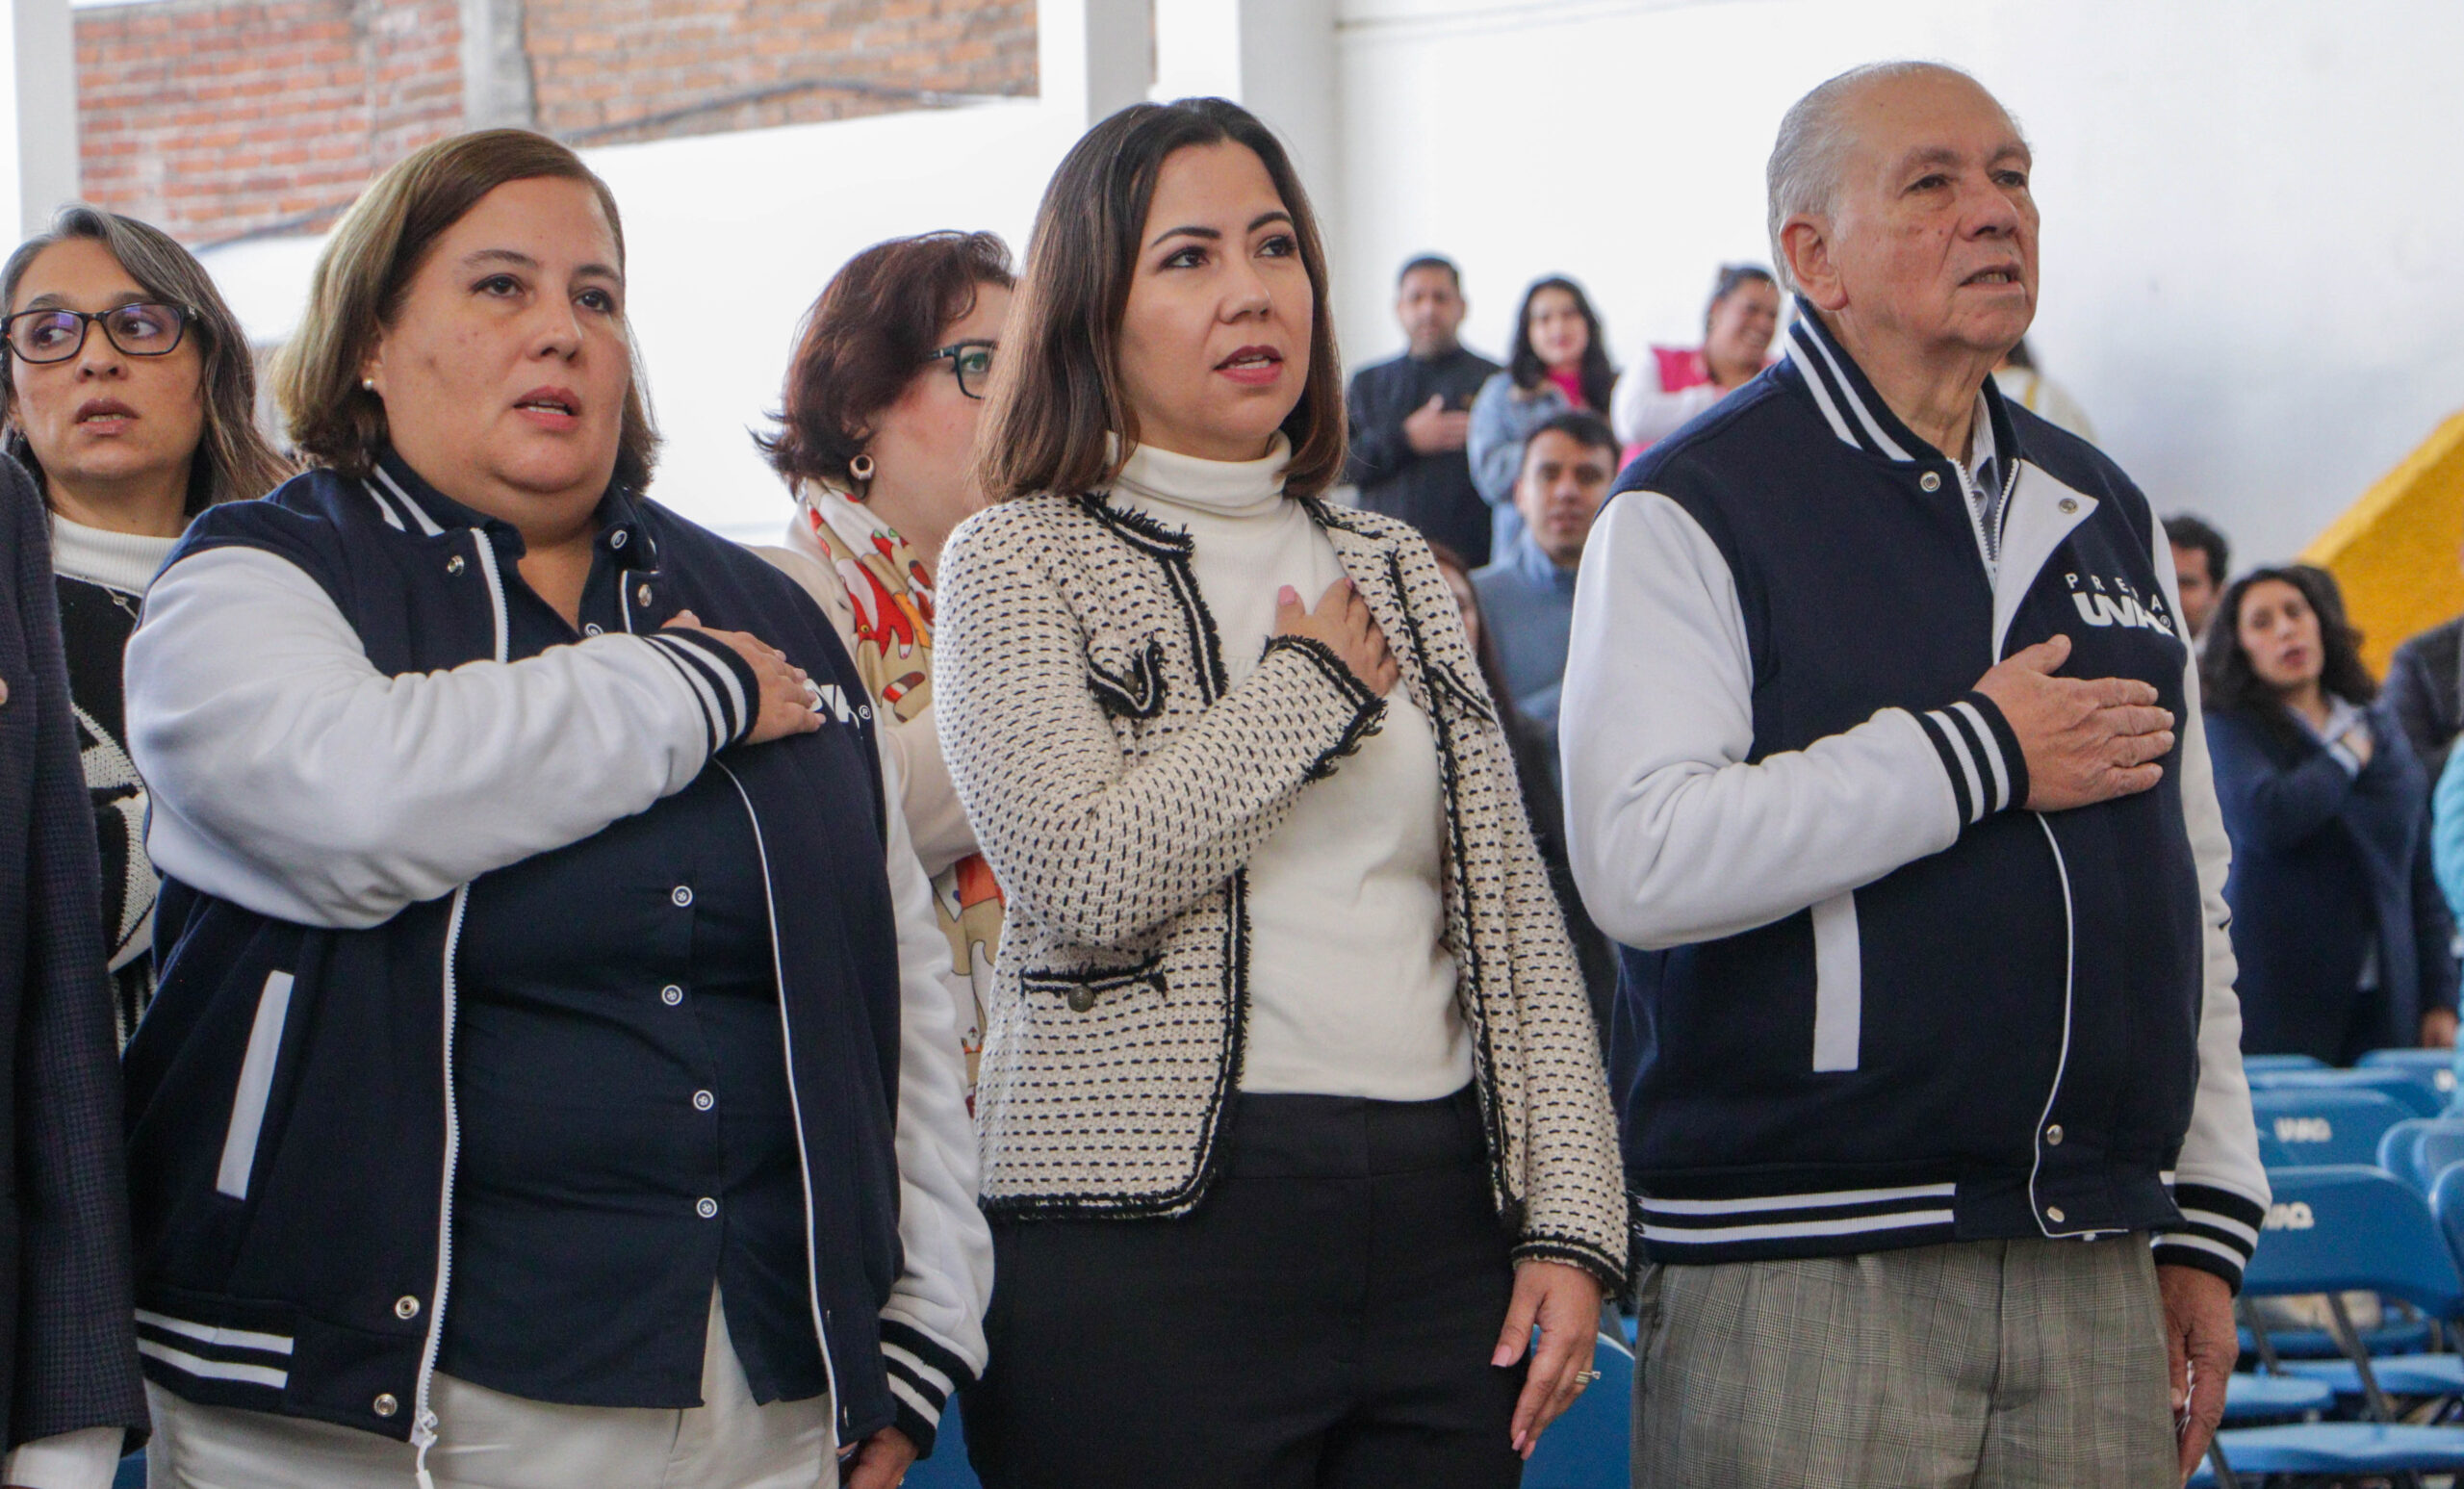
{"points": [[1369, 710], [923, 1376], [724, 682], [2220, 1230], [1980, 754]]}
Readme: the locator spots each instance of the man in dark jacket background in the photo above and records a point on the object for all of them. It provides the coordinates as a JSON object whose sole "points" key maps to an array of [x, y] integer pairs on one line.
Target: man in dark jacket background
{"points": [[70, 1399], [1410, 416]]}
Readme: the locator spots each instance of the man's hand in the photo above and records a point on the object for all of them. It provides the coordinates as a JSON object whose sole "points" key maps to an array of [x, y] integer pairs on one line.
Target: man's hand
{"points": [[1430, 431], [788, 704], [880, 1462], [2438, 1029], [2085, 741], [2200, 1339], [1564, 1301]]}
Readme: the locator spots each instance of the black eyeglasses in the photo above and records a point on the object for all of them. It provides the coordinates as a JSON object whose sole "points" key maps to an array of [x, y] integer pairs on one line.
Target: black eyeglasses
{"points": [[57, 335], [972, 361]]}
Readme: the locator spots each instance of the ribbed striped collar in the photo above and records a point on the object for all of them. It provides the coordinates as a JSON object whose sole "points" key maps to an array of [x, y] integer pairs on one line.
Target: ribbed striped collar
{"points": [[1858, 413]]}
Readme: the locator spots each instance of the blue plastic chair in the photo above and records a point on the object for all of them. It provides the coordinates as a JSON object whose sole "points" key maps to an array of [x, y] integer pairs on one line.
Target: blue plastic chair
{"points": [[2435, 1066], [948, 1468], [2315, 1125], [2255, 1064], [2419, 1149], [1589, 1447], [2412, 1090], [2254, 1399], [2339, 1229]]}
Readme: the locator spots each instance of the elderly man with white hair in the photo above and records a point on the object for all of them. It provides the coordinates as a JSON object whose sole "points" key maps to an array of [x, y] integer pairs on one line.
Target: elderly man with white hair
{"points": [[1882, 759]]}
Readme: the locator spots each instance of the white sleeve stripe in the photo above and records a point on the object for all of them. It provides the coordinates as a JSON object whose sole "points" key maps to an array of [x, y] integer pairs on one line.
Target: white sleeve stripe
{"points": [[2224, 1223], [925, 1375], [1967, 755], [1991, 751], [930, 1411], [2174, 1238]]}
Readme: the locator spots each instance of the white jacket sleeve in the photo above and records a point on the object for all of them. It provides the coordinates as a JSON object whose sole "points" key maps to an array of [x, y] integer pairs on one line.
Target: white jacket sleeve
{"points": [[288, 775], [1642, 413], [2219, 1182], [1674, 837], [933, 1327]]}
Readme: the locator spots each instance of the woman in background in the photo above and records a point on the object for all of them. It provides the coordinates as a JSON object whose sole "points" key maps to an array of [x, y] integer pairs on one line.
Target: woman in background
{"points": [[1559, 362], [877, 439], [131, 398], [1654, 400], [2344, 940]]}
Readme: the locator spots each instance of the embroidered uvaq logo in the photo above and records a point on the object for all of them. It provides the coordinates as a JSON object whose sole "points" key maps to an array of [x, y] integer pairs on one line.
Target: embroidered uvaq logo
{"points": [[2102, 601]]}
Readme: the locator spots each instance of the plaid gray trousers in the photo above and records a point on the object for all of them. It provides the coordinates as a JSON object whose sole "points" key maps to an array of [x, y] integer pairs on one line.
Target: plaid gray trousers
{"points": [[1981, 1365]]}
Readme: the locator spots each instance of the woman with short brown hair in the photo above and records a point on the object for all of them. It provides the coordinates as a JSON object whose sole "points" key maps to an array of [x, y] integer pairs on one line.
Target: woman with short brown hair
{"points": [[569, 984], [1294, 1122], [877, 440]]}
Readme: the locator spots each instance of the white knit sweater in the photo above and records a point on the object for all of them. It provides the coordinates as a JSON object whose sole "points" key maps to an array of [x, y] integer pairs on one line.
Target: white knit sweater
{"points": [[1351, 990], [1124, 786]]}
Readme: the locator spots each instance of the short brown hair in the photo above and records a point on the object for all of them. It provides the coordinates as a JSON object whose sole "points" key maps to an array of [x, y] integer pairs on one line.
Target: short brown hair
{"points": [[233, 460], [366, 268], [1056, 388], [866, 338]]}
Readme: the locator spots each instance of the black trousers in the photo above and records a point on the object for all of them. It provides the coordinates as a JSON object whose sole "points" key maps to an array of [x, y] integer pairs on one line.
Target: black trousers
{"points": [[1322, 1320]]}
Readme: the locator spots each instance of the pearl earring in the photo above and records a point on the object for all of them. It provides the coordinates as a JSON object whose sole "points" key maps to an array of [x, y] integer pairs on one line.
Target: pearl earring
{"points": [[369, 383], [860, 468]]}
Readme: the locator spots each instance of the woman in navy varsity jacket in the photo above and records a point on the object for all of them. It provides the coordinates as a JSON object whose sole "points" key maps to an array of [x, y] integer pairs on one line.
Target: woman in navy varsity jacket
{"points": [[2343, 937], [553, 1078]]}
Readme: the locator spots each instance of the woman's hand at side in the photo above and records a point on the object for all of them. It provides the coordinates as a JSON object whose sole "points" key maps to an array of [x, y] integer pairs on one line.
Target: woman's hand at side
{"points": [[787, 703], [1343, 625], [1563, 1302]]}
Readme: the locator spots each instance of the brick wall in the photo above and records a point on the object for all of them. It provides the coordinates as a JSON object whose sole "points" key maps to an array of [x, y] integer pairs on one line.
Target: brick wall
{"points": [[211, 120], [688, 65]]}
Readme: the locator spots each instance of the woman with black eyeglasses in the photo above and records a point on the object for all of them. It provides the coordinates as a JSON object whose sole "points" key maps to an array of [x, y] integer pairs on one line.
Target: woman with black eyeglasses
{"points": [[130, 397], [877, 439]]}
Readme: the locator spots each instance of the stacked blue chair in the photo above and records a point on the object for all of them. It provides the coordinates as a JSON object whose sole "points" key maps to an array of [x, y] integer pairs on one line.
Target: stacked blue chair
{"points": [[2333, 1230], [2437, 1066], [2416, 1090], [2255, 1064], [2421, 1149], [2326, 1125], [1590, 1446]]}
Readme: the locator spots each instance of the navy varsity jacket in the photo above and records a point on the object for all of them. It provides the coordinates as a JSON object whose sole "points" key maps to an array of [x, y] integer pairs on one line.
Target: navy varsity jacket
{"points": [[1870, 1000], [318, 697]]}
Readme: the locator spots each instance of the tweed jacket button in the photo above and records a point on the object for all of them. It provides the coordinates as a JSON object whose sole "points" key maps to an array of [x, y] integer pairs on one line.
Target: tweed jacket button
{"points": [[1929, 481], [407, 1307], [1082, 998], [385, 1406], [455, 564]]}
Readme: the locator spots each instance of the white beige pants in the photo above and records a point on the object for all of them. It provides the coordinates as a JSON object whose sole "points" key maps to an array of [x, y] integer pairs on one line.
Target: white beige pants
{"points": [[489, 1440]]}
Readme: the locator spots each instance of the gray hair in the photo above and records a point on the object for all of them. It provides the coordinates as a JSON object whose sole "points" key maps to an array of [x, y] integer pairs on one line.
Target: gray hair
{"points": [[1806, 160]]}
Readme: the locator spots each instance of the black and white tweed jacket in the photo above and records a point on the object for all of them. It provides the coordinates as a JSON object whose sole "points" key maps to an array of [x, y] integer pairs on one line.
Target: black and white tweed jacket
{"points": [[1119, 786]]}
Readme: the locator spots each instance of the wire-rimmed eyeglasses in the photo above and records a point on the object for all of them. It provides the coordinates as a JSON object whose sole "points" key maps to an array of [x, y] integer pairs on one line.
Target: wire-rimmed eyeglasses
{"points": [[146, 330], [971, 361]]}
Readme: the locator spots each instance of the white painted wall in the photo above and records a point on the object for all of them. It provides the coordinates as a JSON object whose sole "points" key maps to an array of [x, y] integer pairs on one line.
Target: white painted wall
{"points": [[2245, 201], [38, 111]]}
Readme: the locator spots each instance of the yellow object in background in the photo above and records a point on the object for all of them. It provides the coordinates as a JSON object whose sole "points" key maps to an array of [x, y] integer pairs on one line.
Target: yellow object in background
{"points": [[2395, 550]]}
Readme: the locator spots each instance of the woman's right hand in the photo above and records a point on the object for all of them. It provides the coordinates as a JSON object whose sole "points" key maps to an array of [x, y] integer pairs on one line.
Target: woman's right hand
{"points": [[788, 704], [1342, 623]]}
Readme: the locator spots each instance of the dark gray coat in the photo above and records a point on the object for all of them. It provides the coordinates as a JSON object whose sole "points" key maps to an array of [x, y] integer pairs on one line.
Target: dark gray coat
{"points": [[68, 1333]]}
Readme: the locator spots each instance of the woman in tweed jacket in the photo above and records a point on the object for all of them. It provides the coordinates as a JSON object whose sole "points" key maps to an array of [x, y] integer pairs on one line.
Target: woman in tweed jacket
{"points": [[1293, 1118]]}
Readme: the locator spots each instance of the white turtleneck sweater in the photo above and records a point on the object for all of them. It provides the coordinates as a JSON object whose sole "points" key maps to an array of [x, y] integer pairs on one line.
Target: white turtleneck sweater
{"points": [[1351, 990]]}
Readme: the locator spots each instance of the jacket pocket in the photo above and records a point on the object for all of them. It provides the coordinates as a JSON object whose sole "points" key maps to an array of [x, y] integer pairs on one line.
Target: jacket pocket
{"points": [[256, 1084], [1083, 988], [1838, 984], [1127, 681]]}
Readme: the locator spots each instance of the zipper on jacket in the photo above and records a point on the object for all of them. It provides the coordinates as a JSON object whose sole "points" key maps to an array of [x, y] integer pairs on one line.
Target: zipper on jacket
{"points": [[423, 1414], [1988, 541], [795, 1110]]}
